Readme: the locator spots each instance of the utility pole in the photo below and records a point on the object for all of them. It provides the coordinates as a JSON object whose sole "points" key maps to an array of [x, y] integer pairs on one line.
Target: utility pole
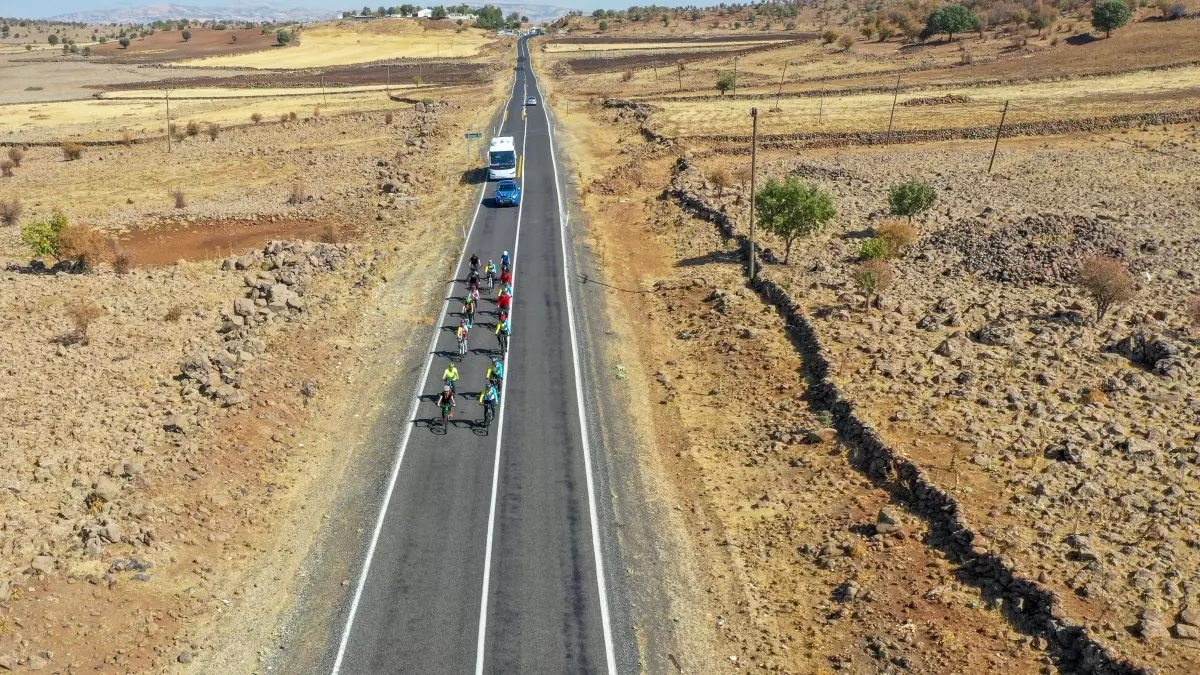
{"points": [[323, 101], [780, 90], [655, 65], [167, 94], [892, 117], [821, 110], [735, 75], [998, 129], [389, 79], [753, 171]]}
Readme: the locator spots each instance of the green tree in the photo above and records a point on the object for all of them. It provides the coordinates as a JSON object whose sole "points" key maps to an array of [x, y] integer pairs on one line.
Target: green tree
{"points": [[1043, 18], [418, 80], [911, 198], [829, 37], [1109, 15], [283, 37], [439, 12], [233, 38], [951, 19], [791, 209], [41, 236], [187, 35], [725, 82], [603, 26], [524, 19], [53, 39], [124, 42]]}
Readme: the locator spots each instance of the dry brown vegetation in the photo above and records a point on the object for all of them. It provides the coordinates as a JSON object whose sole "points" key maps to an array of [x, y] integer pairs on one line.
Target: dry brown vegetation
{"points": [[192, 128], [16, 155], [85, 245], [298, 193], [123, 261], [10, 211], [82, 313], [71, 150], [179, 197], [213, 130], [173, 314], [256, 117], [6, 168], [1106, 281], [899, 235]]}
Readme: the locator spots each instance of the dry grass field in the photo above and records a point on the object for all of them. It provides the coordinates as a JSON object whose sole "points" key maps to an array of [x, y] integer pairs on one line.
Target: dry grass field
{"points": [[150, 478], [346, 42], [1070, 458]]}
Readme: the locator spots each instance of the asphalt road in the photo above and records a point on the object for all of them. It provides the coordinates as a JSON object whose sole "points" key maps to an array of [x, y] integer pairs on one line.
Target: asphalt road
{"points": [[486, 557]]}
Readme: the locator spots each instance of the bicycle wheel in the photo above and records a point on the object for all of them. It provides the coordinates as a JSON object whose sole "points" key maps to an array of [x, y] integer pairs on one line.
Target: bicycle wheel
{"points": [[445, 416], [489, 413]]}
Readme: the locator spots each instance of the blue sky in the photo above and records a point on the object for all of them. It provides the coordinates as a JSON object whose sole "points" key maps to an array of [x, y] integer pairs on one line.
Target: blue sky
{"points": [[26, 8]]}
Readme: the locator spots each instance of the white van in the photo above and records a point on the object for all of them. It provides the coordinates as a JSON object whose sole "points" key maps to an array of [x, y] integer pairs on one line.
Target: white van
{"points": [[502, 158]]}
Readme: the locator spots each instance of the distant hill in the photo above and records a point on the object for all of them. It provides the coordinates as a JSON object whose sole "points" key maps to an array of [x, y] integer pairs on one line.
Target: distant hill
{"points": [[165, 11], [260, 12]]}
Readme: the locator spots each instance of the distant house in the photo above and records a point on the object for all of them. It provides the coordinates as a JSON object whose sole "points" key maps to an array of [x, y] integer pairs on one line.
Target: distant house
{"points": [[462, 17], [424, 13]]}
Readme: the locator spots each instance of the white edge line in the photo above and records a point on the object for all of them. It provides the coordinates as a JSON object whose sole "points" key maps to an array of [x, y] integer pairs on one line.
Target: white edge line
{"points": [[481, 638], [408, 427], [587, 453]]}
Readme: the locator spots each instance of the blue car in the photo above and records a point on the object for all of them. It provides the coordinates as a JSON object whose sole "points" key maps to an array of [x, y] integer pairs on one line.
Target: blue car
{"points": [[508, 193]]}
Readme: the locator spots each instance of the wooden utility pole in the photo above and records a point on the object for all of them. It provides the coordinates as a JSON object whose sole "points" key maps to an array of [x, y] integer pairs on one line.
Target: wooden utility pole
{"points": [[655, 65], [1003, 114], [892, 117], [323, 101], [780, 90], [821, 110], [389, 79], [753, 171], [167, 93], [735, 74]]}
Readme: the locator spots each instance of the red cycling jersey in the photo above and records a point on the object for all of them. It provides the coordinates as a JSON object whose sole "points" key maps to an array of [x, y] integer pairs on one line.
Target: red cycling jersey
{"points": [[506, 278], [504, 302]]}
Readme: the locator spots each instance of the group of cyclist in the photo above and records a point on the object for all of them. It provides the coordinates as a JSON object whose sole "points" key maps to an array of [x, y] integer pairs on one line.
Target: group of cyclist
{"points": [[489, 397]]}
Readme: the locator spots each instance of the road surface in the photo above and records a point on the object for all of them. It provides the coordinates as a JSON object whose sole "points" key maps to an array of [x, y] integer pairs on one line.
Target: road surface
{"points": [[485, 557]]}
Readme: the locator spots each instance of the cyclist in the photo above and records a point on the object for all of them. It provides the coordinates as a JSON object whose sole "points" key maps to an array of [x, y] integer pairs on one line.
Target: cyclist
{"points": [[495, 373], [461, 334], [489, 398], [505, 261], [503, 330], [489, 393], [446, 398], [450, 377], [504, 302], [474, 261], [490, 272], [473, 277], [468, 309], [506, 278]]}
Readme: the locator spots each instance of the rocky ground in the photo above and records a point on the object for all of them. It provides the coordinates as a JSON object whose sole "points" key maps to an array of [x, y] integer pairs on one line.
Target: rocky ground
{"points": [[166, 430], [1071, 443]]}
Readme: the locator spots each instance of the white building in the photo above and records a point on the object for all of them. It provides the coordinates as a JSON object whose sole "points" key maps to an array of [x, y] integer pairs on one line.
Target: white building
{"points": [[462, 17], [424, 13]]}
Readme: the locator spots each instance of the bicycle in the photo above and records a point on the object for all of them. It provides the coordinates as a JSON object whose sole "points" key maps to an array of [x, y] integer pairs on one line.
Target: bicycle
{"points": [[451, 383], [491, 277], [502, 338], [462, 346], [446, 414], [489, 413]]}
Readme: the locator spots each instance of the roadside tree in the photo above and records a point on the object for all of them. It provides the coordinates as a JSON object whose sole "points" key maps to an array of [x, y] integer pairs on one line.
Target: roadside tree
{"points": [[791, 209], [911, 198], [951, 19], [725, 82], [1109, 15]]}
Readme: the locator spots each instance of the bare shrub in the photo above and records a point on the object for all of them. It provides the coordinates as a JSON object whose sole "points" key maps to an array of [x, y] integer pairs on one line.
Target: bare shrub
{"points": [[1021, 38], [85, 245], [193, 128], [82, 313], [898, 234], [721, 179], [292, 117], [127, 138], [179, 197], [213, 130], [283, 118], [742, 174], [1193, 309], [298, 194], [10, 211], [317, 110], [6, 168], [627, 76], [873, 277], [71, 150], [965, 58], [331, 234], [174, 314], [387, 118], [123, 261], [16, 155], [1106, 281], [256, 118]]}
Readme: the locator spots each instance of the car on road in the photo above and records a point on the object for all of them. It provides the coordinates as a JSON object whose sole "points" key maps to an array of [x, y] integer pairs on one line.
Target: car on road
{"points": [[532, 100], [508, 193]]}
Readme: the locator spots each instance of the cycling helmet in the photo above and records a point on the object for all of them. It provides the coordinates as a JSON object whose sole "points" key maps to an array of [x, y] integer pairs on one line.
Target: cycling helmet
{"points": [[446, 388], [506, 253]]}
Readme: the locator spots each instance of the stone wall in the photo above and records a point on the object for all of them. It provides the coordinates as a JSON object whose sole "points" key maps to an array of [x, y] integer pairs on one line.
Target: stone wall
{"points": [[1030, 606]]}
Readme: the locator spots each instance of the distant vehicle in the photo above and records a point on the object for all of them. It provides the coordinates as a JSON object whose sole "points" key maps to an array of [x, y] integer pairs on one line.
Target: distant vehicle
{"points": [[508, 193], [532, 100], [502, 158]]}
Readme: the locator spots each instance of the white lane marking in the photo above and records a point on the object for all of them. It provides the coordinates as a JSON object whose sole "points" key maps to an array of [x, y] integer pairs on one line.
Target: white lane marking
{"points": [[408, 427], [508, 370], [583, 432]]}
